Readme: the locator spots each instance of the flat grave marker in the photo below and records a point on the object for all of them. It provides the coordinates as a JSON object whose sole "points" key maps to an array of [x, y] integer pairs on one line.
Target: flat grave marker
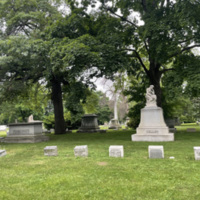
{"points": [[51, 151], [197, 153], [81, 151], [116, 151], [156, 151], [191, 130]]}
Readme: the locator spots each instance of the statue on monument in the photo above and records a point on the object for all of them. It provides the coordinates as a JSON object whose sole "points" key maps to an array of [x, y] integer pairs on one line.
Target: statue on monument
{"points": [[152, 127], [150, 97]]}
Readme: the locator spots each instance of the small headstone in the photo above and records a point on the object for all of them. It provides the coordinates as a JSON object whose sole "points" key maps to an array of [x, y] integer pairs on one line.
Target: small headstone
{"points": [[171, 157], [50, 151], [191, 129], [2, 153], [81, 151], [116, 151], [156, 151], [197, 153]]}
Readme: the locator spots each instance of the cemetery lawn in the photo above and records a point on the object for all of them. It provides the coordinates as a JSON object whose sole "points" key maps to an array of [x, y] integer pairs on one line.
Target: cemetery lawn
{"points": [[26, 174]]}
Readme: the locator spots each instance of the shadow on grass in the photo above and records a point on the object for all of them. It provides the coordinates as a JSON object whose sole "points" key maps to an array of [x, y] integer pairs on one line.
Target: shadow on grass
{"points": [[110, 135]]}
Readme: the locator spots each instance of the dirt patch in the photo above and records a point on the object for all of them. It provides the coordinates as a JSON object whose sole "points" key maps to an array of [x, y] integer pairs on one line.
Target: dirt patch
{"points": [[102, 163]]}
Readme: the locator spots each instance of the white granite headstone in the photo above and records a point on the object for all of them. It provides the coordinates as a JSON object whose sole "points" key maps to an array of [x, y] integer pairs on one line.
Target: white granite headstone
{"points": [[81, 151], [156, 151], [116, 151], [197, 153], [2, 153], [51, 151]]}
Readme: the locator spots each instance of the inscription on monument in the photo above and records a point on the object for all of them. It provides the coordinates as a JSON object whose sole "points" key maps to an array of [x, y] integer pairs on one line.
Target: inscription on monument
{"points": [[152, 131], [156, 153], [21, 132], [115, 153]]}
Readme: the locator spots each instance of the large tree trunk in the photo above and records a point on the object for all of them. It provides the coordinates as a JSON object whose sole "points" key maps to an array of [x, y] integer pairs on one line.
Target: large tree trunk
{"points": [[58, 107], [155, 76]]}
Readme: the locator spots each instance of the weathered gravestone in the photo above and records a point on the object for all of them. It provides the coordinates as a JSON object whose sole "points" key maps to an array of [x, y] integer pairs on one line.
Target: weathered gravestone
{"points": [[2, 153], [191, 130], [25, 133], [81, 151], [156, 151], [197, 153], [171, 124], [152, 127], [51, 151], [116, 151], [89, 124]]}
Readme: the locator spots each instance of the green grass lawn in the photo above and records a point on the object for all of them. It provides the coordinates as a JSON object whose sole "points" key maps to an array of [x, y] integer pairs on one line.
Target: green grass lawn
{"points": [[26, 174]]}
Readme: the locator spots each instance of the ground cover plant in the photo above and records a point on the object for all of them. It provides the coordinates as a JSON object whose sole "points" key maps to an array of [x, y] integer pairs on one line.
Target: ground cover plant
{"points": [[27, 174]]}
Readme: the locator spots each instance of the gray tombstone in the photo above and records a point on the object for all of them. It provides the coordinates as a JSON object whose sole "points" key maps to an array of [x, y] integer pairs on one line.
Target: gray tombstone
{"points": [[116, 151], [156, 151], [191, 130], [51, 151], [81, 151], [25, 133], [89, 124]]}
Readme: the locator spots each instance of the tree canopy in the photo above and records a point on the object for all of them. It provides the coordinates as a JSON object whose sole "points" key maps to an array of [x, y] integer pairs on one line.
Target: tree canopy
{"points": [[154, 33]]}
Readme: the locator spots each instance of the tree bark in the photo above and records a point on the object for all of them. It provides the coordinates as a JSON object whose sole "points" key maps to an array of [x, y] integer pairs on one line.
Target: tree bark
{"points": [[56, 97]]}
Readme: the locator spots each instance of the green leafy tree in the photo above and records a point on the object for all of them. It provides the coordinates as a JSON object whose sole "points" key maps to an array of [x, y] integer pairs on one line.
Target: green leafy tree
{"points": [[163, 31], [35, 103], [40, 44]]}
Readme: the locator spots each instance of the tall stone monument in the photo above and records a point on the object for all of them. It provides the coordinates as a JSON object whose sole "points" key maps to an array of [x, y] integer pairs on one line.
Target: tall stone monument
{"points": [[152, 127], [114, 123]]}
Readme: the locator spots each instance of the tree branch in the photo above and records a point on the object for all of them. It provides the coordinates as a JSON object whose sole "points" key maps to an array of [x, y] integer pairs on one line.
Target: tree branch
{"points": [[165, 70], [144, 5], [146, 46], [141, 62], [184, 49], [162, 3], [119, 16]]}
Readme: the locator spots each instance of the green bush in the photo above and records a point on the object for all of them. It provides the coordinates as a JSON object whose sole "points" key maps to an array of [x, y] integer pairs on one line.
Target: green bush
{"points": [[134, 115]]}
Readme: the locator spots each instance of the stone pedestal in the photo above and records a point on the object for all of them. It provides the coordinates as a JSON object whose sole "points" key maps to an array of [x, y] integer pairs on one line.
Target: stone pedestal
{"points": [[81, 151], [116, 151], [114, 124], [152, 127], [51, 151], [89, 124], [25, 133], [156, 151]]}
